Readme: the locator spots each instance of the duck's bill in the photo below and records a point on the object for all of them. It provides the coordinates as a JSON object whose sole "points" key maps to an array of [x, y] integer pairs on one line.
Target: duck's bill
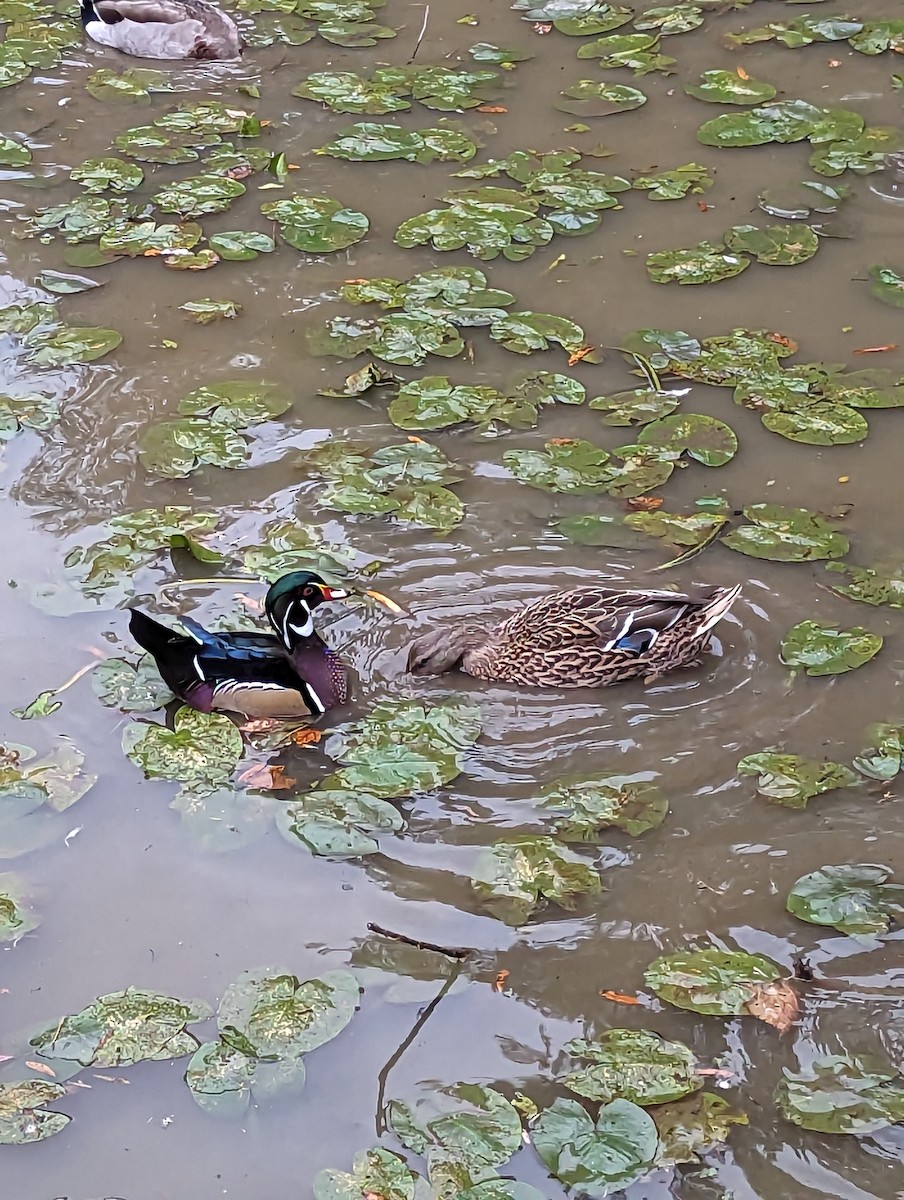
{"points": [[384, 600]]}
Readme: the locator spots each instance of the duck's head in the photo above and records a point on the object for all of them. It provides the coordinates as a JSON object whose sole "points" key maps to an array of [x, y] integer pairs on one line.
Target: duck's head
{"points": [[291, 601]]}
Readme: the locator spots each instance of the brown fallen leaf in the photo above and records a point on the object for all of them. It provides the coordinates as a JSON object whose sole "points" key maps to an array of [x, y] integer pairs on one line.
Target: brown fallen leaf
{"points": [[703, 206], [619, 998], [499, 981], [41, 1068], [491, 108], [306, 737], [238, 173], [579, 355], [355, 280], [742, 74], [776, 1004], [560, 441], [643, 503], [876, 349], [266, 777], [412, 438], [781, 339]]}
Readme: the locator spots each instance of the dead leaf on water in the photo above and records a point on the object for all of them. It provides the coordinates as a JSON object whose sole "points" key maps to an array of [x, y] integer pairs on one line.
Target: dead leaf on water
{"points": [[776, 1004], [41, 1068], [499, 981], [266, 777], [620, 998], [306, 737], [579, 355], [876, 349]]}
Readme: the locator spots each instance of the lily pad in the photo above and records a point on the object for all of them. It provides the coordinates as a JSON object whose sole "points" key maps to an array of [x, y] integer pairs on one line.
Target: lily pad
{"points": [[670, 18], [16, 916], [373, 142], [853, 898], [68, 345], [241, 245], [798, 201], [870, 586], [693, 1126], [33, 791], [26, 412], [596, 1158], [791, 780], [13, 153], [705, 439], [376, 1172], [710, 982], [637, 407], [236, 403], [786, 535], [565, 465], [136, 83], [582, 808], [474, 1125], [840, 1094], [632, 1064], [672, 185], [337, 823], [504, 57], [346, 92], [316, 224], [784, 121], [638, 51], [888, 286], [176, 448], [202, 750], [117, 684], [524, 332], [486, 229], [124, 1028], [777, 245], [589, 99], [199, 195], [730, 87], [863, 155], [146, 238], [821, 649], [23, 1117], [512, 878], [284, 1017], [703, 263], [817, 424], [882, 760], [450, 89]]}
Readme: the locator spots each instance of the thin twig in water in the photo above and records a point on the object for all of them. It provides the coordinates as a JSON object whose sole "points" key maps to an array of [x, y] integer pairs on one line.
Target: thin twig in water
{"points": [[420, 36], [379, 1118], [449, 951]]}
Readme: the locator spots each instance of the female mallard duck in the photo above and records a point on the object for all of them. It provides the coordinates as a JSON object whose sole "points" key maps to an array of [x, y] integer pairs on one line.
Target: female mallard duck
{"points": [[588, 637], [294, 674], [162, 28]]}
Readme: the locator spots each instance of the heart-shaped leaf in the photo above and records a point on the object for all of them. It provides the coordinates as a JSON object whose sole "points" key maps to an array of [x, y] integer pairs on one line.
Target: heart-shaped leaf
{"points": [[853, 898], [821, 649], [632, 1064], [791, 780]]}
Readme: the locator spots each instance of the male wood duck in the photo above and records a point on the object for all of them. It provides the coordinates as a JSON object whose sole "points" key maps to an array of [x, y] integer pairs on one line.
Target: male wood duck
{"points": [[162, 28], [289, 675], [587, 637]]}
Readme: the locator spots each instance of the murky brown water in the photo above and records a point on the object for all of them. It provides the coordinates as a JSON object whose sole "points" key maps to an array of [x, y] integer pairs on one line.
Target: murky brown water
{"points": [[132, 900]]}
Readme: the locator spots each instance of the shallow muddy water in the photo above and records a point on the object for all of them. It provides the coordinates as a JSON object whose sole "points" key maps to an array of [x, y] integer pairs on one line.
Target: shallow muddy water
{"points": [[129, 894]]}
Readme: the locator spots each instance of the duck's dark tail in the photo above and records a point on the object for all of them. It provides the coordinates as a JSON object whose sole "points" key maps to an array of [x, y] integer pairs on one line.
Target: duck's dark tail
{"points": [[157, 639], [89, 13]]}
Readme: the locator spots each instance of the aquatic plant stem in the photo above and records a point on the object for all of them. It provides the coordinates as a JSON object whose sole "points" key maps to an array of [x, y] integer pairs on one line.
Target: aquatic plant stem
{"points": [[449, 951]]}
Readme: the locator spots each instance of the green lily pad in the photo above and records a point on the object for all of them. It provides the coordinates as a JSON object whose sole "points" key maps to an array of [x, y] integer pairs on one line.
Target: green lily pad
{"points": [[729, 87], [281, 1016], [376, 1172], [840, 1094], [134, 84], [346, 92], [203, 312], [589, 99], [710, 982], [485, 229], [123, 1028], [564, 465], [373, 142], [820, 424], [784, 121], [23, 1117], [401, 748], [792, 780], [26, 412], [703, 263], [176, 448], [147, 143], [512, 878], [199, 195], [786, 535], [524, 332], [672, 185], [451, 89], [337, 823], [236, 403], [777, 245], [220, 1075], [575, 17], [639, 51], [705, 439], [870, 586], [670, 18], [289, 546], [476, 1125], [693, 1126], [632, 1064], [202, 750], [13, 153], [888, 286], [16, 916], [117, 684], [877, 36], [316, 224], [147, 238], [66, 346], [582, 808], [637, 407], [34, 793], [601, 1158], [241, 245], [853, 898], [504, 57], [863, 155], [882, 760], [821, 649]]}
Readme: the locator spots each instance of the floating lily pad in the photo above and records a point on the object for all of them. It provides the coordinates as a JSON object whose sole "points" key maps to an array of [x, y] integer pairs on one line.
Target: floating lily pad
{"points": [[376, 1172], [484, 228], [638, 51], [524, 332], [705, 439], [596, 1159], [693, 1126], [799, 201], [202, 750], [176, 448], [821, 649], [581, 809], [786, 535], [150, 144], [316, 224], [784, 121], [564, 465], [449, 89], [870, 586], [637, 407], [512, 878], [146, 238], [819, 424], [203, 312], [672, 185], [26, 412], [199, 195], [236, 403], [888, 286], [670, 18], [710, 982], [124, 1028], [632, 1064], [16, 917], [372, 142], [135, 83], [839, 1094], [504, 57], [285, 1017], [792, 780], [730, 87], [33, 791], [589, 99], [241, 245], [23, 1117], [777, 245], [344, 91], [13, 153], [703, 263], [337, 823], [853, 898], [117, 684], [863, 155], [474, 1125]]}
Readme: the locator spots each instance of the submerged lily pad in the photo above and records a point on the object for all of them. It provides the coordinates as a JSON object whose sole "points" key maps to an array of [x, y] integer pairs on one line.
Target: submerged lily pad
{"points": [[693, 1126], [33, 791], [840, 1094], [117, 684], [176, 448], [792, 780], [23, 1117], [777, 245], [582, 808], [884, 757], [730, 87], [202, 750], [124, 1028], [16, 916], [514, 877], [376, 1172], [632, 1064], [710, 982], [821, 649], [596, 1158], [337, 823], [589, 99], [853, 898], [703, 263], [474, 1125], [786, 535], [26, 412], [888, 286]]}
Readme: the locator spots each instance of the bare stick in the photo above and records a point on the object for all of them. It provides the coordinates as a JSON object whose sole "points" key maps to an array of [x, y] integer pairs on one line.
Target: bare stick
{"points": [[449, 951], [420, 36]]}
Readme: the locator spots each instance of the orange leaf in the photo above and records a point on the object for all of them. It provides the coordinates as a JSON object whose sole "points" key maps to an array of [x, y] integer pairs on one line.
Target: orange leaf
{"points": [[876, 349], [742, 74], [781, 340], [491, 108], [306, 737], [619, 998], [643, 503], [703, 206], [356, 281], [579, 355], [776, 1004], [269, 778], [499, 981], [42, 1068], [411, 438], [560, 441]]}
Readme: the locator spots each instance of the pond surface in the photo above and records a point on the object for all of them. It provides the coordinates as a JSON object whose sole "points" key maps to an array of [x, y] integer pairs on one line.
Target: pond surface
{"points": [[131, 892]]}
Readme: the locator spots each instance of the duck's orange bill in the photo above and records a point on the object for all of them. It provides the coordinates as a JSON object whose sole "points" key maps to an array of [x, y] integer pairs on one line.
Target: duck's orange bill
{"points": [[385, 601]]}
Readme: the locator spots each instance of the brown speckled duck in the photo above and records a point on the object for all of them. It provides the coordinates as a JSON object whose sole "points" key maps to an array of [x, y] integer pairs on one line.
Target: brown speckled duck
{"points": [[586, 637], [162, 28]]}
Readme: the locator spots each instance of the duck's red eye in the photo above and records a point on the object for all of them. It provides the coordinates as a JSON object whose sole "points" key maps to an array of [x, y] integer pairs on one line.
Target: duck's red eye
{"points": [[309, 591]]}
